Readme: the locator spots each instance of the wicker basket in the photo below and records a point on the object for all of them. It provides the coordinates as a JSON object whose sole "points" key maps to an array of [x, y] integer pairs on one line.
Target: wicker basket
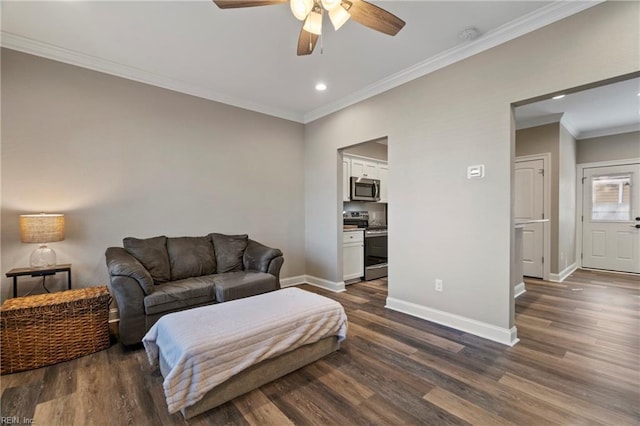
{"points": [[50, 328]]}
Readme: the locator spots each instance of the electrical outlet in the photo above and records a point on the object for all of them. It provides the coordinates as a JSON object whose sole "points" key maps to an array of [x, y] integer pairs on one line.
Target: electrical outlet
{"points": [[438, 285]]}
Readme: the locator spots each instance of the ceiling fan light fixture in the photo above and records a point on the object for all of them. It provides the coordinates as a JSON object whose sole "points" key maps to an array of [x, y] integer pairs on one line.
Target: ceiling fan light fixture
{"points": [[310, 13], [338, 16], [301, 8], [313, 24]]}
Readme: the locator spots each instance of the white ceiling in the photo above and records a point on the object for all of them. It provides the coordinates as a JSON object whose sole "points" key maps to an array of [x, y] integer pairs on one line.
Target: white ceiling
{"points": [[246, 57], [601, 111]]}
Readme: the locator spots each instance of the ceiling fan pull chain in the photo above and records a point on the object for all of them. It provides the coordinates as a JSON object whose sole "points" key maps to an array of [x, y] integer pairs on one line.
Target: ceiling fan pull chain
{"points": [[321, 44]]}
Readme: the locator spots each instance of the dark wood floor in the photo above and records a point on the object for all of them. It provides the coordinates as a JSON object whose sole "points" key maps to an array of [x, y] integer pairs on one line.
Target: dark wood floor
{"points": [[577, 363]]}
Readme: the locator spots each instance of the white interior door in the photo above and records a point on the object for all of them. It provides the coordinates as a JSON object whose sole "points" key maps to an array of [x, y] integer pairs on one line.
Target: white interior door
{"points": [[529, 205], [611, 218]]}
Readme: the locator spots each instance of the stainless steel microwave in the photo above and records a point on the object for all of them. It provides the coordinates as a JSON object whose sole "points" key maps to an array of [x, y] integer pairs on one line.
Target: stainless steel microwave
{"points": [[365, 189]]}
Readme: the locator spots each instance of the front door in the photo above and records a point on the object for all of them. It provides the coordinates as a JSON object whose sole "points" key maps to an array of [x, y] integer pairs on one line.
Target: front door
{"points": [[611, 218], [529, 205]]}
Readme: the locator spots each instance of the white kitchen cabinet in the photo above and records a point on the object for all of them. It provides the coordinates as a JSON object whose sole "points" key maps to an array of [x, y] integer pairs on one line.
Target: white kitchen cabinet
{"points": [[364, 168], [383, 175], [353, 255], [346, 179]]}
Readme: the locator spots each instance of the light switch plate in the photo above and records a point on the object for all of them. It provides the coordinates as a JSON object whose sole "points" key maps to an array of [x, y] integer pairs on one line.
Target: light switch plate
{"points": [[476, 171]]}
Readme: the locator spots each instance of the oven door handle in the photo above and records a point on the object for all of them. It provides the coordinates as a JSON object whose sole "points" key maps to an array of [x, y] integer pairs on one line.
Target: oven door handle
{"points": [[378, 266], [374, 235]]}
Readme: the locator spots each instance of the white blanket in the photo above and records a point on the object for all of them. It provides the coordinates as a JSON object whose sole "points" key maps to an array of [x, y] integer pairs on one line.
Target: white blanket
{"points": [[205, 346]]}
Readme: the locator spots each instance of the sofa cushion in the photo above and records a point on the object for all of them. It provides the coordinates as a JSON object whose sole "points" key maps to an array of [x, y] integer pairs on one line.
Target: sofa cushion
{"points": [[190, 257], [229, 250], [236, 285], [180, 294], [152, 253]]}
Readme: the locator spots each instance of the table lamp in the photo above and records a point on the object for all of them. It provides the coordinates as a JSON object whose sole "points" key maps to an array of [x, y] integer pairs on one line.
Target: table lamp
{"points": [[42, 229]]}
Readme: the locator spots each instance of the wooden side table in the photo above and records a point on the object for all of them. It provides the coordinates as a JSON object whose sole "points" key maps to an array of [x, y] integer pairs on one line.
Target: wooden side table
{"points": [[38, 272]]}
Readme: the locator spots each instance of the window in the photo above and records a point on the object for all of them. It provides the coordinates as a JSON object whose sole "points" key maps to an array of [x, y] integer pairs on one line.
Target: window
{"points": [[611, 198]]}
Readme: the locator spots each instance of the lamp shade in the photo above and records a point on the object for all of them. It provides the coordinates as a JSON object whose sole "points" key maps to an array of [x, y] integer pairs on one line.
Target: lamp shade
{"points": [[41, 228]]}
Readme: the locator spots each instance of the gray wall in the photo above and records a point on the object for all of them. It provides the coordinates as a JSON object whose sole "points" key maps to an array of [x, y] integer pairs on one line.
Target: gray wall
{"points": [[607, 148], [539, 140], [555, 139], [566, 200], [121, 158], [369, 149], [443, 225]]}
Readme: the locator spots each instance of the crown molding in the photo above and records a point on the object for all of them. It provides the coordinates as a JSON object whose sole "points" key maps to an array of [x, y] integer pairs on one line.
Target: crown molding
{"points": [[544, 16], [569, 126], [530, 22], [94, 63], [539, 121], [543, 120], [610, 131]]}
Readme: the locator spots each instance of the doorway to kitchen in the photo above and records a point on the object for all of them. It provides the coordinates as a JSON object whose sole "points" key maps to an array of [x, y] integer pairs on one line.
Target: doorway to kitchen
{"points": [[365, 173]]}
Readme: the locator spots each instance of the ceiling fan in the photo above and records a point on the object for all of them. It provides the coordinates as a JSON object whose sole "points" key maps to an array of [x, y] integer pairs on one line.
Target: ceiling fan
{"points": [[339, 11]]}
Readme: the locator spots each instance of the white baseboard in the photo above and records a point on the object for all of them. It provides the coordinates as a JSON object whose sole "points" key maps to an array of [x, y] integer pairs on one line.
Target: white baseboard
{"points": [[314, 281], [326, 284], [486, 331], [292, 281], [558, 278], [519, 290]]}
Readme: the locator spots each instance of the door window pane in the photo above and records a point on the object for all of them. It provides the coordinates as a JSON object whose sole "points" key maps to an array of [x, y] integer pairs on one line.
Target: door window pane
{"points": [[611, 198]]}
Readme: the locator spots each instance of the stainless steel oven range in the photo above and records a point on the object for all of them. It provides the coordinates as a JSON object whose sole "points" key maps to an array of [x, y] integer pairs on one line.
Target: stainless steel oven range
{"points": [[375, 253], [375, 244]]}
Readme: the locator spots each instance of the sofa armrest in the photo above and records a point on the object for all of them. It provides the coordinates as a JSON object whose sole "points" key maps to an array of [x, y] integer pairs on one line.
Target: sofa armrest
{"points": [[274, 268], [258, 257], [129, 282], [121, 264], [130, 301]]}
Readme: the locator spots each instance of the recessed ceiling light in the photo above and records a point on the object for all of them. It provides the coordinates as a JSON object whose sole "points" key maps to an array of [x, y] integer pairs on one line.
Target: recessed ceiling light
{"points": [[321, 87], [558, 97]]}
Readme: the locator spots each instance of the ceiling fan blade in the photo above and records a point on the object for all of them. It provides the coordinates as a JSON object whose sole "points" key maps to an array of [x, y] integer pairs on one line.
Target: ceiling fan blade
{"points": [[232, 4], [306, 42], [374, 17]]}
